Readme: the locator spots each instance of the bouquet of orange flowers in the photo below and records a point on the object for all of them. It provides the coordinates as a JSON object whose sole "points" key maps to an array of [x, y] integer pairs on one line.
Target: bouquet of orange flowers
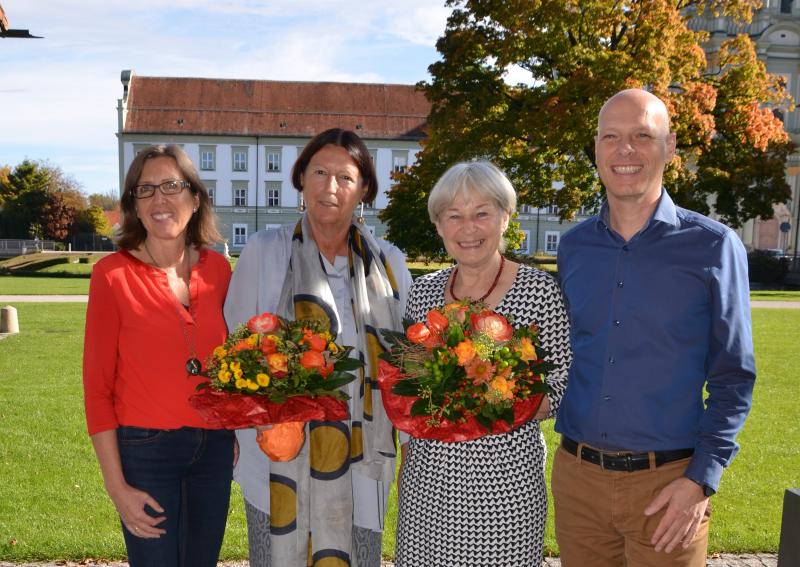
{"points": [[271, 371], [462, 374]]}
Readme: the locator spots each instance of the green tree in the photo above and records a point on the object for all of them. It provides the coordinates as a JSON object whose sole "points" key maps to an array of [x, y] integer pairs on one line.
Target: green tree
{"points": [[575, 54], [108, 201], [92, 221], [38, 200]]}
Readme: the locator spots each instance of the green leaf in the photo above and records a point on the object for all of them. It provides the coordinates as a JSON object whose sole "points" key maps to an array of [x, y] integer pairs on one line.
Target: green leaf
{"points": [[348, 364], [420, 407], [406, 387]]}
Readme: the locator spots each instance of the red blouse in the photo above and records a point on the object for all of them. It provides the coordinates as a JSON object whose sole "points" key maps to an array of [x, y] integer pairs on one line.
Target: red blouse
{"points": [[138, 339]]}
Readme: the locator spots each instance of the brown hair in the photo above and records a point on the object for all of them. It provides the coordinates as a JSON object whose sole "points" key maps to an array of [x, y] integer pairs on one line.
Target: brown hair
{"points": [[202, 227], [353, 145]]}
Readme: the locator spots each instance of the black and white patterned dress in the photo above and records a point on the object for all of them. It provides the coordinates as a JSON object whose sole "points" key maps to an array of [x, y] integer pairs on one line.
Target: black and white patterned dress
{"points": [[483, 502]]}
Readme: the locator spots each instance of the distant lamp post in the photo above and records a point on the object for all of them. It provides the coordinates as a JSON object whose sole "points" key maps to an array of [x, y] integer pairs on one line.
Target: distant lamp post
{"points": [[6, 32]]}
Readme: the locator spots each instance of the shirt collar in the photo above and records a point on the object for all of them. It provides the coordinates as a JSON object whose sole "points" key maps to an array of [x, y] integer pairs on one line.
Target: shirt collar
{"points": [[665, 212]]}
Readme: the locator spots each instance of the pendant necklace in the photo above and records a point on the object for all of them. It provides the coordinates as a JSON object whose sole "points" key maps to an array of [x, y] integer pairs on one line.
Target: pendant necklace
{"points": [[491, 289], [193, 365]]}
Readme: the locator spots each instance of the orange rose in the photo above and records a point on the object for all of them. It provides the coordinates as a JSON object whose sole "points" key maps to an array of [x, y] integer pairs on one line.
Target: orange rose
{"points": [[418, 333], [326, 370], [268, 346], [278, 363], [460, 311], [312, 360], [264, 323], [437, 321], [317, 343], [240, 346], [492, 324]]}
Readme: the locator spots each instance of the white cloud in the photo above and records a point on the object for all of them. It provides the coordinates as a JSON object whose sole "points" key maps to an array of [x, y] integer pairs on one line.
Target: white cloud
{"points": [[59, 94]]}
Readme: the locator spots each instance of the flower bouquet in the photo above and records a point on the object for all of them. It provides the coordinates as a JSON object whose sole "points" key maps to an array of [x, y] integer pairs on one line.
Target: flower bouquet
{"points": [[463, 374], [272, 372]]}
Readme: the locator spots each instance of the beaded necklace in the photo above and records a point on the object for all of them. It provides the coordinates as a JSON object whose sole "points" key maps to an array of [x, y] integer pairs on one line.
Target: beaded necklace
{"points": [[491, 289], [193, 365]]}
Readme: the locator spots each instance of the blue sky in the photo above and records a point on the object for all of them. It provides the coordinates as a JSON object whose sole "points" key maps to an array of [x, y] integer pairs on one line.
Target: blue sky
{"points": [[58, 95]]}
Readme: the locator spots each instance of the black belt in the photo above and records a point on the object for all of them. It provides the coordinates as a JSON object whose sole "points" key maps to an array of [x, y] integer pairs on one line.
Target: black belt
{"points": [[621, 461]]}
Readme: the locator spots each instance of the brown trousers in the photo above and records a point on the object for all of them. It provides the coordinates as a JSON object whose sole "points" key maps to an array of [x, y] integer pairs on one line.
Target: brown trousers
{"points": [[600, 521]]}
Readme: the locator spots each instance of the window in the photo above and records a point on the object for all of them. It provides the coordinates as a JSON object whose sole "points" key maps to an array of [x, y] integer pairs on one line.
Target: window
{"points": [[239, 194], [138, 148], [551, 238], [239, 234], [399, 161], [786, 6], [208, 158], [273, 193], [273, 159], [373, 155], [551, 210], [239, 159], [211, 188], [525, 245]]}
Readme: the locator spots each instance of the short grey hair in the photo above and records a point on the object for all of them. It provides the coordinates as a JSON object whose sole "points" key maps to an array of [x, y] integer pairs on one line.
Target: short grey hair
{"points": [[480, 177]]}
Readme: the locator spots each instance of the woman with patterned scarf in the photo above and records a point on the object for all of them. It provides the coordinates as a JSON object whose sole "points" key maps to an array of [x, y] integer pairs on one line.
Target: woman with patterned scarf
{"points": [[325, 506]]}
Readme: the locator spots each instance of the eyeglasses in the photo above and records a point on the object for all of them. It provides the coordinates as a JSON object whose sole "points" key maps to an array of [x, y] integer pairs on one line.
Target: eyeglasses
{"points": [[171, 187]]}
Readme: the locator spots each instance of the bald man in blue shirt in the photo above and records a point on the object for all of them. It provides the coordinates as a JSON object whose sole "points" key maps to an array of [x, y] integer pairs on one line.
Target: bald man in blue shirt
{"points": [[658, 299]]}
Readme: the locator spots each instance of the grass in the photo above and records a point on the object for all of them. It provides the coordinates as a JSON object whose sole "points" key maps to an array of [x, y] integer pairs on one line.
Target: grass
{"points": [[775, 295], [53, 506], [34, 285]]}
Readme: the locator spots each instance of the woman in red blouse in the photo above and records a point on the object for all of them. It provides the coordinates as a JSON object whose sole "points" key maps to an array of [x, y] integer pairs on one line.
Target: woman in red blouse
{"points": [[154, 313]]}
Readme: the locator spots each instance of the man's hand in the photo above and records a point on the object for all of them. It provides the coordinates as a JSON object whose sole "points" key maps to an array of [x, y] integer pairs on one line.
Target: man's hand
{"points": [[686, 506]]}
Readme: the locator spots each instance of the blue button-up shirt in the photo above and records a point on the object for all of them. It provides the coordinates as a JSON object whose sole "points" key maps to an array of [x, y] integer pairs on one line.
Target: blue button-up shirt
{"points": [[654, 320]]}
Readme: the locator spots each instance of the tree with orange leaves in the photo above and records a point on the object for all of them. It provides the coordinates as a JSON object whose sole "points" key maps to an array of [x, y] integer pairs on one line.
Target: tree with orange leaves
{"points": [[570, 56]]}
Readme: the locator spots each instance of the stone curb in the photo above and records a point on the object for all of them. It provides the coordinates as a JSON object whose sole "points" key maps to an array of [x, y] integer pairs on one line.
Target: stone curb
{"points": [[717, 560]]}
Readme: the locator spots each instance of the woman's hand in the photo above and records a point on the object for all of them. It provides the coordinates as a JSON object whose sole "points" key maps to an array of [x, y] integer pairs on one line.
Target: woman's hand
{"points": [[130, 503], [544, 410]]}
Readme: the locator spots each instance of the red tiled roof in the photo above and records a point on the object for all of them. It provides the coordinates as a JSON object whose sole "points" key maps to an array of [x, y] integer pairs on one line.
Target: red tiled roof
{"points": [[113, 216], [172, 105]]}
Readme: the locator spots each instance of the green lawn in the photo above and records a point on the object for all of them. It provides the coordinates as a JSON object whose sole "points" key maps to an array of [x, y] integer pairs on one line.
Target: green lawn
{"points": [[53, 506], [34, 285]]}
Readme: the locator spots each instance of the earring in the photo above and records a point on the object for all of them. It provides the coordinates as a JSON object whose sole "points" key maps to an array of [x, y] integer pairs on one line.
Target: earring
{"points": [[360, 219], [302, 206]]}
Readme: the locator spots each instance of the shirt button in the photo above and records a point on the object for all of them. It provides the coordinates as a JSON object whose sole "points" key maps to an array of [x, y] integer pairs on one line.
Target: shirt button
{"points": [[620, 284], [604, 435], [617, 322], [607, 398], [611, 360], [625, 248]]}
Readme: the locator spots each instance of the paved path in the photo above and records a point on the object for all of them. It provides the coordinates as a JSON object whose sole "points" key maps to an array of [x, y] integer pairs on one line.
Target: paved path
{"points": [[760, 560], [4, 299]]}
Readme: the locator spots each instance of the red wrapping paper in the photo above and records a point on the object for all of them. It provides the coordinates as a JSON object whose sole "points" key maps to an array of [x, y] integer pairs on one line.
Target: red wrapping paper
{"points": [[398, 409], [227, 410]]}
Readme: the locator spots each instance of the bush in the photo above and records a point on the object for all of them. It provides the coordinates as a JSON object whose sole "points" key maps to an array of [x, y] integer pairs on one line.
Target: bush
{"points": [[766, 268]]}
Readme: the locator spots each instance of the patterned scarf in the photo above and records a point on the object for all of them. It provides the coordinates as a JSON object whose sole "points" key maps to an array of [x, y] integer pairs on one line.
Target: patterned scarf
{"points": [[312, 494]]}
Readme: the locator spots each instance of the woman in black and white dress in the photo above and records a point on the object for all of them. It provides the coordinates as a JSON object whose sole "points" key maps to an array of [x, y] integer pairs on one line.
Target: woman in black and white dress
{"points": [[481, 502]]}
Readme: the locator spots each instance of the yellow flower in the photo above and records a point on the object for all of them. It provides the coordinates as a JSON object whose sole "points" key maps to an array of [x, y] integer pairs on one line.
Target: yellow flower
{"points": [[262, 379], [238, 373], [220, 352], [252, 340], [526, 349], [333, 348], [241, 384], [224, 376], [235, 365], [223, 366], [252, 385]]}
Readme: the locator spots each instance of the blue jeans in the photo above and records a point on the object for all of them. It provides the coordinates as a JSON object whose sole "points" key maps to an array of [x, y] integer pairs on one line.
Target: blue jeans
{"points": [[188, 471]]}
